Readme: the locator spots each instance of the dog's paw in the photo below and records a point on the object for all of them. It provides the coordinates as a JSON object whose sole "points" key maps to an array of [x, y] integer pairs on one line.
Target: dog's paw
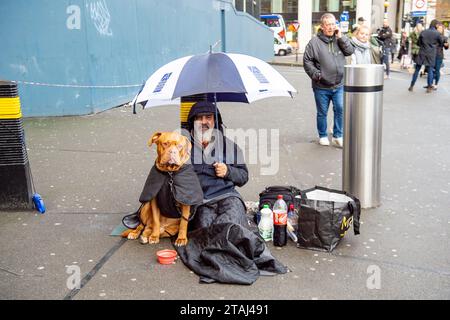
{"points": [[153, 240], [181, 242], [133, 236], [143, 240]]}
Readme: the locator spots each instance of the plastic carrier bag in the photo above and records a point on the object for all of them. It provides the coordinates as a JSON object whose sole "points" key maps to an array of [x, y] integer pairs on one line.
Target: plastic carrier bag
{"points": [[325, 216]]}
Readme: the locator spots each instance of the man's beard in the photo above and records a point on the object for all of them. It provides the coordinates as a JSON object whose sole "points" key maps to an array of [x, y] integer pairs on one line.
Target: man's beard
{"points": [[205, 137]]}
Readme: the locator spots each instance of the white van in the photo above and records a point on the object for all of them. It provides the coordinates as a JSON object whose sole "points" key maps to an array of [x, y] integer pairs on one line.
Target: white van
{"points": [[281, 48], [276, 23]]}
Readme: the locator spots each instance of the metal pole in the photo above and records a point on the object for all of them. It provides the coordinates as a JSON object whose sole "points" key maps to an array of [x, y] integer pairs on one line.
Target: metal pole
{"points": [[363, 115]]}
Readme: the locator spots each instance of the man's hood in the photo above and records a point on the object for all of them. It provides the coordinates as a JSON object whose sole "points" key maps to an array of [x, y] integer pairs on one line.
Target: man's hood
{"points": [[203, 107], [324, 38]]}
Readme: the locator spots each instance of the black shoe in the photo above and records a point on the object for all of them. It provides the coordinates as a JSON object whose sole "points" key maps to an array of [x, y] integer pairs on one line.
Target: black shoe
{"points": [[410, 88]]}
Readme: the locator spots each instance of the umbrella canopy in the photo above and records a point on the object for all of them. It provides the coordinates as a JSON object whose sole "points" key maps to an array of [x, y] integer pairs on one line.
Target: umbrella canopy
{"points": [[227, 76]]}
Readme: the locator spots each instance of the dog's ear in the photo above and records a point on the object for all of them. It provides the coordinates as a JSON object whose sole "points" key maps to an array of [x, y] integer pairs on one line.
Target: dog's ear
{"points": [[154, 138]]}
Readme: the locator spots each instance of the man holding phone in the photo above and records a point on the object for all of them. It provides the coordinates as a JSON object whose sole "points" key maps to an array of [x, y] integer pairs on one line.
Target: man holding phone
{"points": [[324, 61]]}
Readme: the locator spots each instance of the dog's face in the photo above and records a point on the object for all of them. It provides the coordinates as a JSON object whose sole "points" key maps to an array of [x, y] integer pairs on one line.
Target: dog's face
{"points": [[173, 150]]}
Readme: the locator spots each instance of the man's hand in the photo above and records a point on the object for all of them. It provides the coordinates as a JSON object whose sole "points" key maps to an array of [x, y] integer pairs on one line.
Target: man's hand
{"points": [[221, 169], [338, 32]]}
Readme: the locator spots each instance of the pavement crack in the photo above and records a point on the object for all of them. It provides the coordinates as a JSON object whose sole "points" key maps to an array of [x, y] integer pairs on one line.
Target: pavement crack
{"points": [[95, 269], [20, 274]]}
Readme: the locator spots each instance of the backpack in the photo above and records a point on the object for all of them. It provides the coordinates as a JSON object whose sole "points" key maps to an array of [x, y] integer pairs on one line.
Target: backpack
{"points": [[289, 193]]}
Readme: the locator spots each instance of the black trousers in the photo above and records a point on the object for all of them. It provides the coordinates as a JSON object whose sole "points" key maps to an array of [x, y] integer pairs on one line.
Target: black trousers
{"points": [[230, 209]]}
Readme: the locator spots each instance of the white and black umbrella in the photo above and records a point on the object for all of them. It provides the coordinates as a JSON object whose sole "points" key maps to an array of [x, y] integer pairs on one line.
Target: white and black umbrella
{"points": [[224, 76]]}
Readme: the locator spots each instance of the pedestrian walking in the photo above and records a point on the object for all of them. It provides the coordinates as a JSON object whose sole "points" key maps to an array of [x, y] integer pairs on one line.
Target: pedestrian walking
{"points": [[385, 36], [414, 38], [360, 42], [393, 48], [429, 40], [324, 61], [404, 46], [440, 56]]}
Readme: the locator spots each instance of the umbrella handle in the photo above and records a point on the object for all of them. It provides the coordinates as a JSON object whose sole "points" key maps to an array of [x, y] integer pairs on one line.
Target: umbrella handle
{"points": [[218, 130]]}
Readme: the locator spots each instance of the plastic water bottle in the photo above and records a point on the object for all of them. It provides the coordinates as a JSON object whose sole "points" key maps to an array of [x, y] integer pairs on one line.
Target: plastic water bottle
{"points": [[293, 217], [265, 225], [292, 223], [280, 222]]}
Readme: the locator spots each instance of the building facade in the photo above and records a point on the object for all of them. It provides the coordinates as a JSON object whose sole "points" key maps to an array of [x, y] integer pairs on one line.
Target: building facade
{"points": [[307, 13]]}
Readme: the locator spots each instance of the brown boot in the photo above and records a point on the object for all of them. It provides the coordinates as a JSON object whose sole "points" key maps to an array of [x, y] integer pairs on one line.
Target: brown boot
{"points": [[429, 89]]}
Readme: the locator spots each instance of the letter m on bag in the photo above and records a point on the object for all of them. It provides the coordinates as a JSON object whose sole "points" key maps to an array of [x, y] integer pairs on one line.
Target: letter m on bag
{"points": [[345, 225]]}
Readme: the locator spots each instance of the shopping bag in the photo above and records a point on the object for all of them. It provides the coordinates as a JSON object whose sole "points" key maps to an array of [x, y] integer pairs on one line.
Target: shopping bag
{"points": [[325, 216]]}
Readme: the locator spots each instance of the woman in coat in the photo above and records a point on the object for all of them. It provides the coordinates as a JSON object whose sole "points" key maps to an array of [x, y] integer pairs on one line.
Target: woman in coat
{"points": [[360, 41], [414, 37], [404, 45]]}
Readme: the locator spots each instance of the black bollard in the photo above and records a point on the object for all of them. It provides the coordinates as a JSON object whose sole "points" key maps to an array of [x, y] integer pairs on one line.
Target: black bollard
{"points": [[15, 179]]}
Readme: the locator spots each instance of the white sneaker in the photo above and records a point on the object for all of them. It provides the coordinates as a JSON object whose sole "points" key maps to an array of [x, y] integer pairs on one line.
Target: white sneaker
{"points": [[324, 141], [338, 142]]}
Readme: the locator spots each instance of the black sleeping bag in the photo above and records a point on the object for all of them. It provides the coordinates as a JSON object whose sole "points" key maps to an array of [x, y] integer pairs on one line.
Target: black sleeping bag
{"points": [[228, 253]]}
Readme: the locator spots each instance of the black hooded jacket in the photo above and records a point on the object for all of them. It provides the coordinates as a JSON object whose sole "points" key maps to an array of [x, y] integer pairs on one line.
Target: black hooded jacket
{"points": [[237, 172], [324, 60]]}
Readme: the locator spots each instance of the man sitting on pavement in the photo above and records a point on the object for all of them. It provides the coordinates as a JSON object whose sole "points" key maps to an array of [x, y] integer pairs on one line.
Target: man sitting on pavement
{"points": [[220, 167]]}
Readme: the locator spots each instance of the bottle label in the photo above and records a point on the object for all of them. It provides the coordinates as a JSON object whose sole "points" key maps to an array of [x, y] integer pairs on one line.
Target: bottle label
{"points": [[266, 234], [280, 218]]}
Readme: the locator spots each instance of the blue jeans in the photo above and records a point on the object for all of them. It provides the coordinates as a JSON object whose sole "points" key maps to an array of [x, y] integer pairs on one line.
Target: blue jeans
{"points": [[430, 76], [323, 98], [437, 69]]}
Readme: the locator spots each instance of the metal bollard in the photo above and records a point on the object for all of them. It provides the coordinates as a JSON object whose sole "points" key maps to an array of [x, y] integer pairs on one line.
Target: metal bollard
{"points": [[363, 116]]}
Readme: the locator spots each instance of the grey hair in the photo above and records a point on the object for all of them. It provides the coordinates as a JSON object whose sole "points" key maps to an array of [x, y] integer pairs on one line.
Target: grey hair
{"points": [[326, 16]]}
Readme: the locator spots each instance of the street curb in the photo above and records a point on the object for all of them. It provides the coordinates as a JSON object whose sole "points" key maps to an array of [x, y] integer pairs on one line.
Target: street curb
{"points": [[288, 64]]}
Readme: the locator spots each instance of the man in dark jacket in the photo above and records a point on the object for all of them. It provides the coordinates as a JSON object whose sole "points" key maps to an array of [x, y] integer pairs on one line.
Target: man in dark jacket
{"points": [[220, 167], [440, 56], [385, 36], [429, 41], [324, 61]]}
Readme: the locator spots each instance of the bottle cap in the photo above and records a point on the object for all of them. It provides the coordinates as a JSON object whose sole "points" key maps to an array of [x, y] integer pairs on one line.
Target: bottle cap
{"points": [[265, 206], [280, 196], [291, 207]]}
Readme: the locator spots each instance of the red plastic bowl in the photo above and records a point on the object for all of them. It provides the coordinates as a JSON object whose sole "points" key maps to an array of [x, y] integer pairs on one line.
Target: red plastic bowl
{"points": [[166, 256]]}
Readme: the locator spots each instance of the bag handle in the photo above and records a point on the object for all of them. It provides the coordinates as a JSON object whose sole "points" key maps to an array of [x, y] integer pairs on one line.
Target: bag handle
{"points": [[351, 207]]}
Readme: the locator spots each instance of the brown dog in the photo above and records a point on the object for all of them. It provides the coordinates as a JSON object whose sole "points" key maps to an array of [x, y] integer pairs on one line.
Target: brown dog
{"points": [[173, 153]]}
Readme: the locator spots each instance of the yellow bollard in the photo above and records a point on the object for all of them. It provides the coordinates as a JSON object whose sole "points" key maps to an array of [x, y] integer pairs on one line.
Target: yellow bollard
{"points": [[186, 105]]}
